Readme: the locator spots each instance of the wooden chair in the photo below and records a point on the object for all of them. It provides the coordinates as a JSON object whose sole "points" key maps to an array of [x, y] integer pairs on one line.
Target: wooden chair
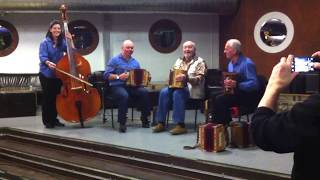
{"points": [[107, 99]]}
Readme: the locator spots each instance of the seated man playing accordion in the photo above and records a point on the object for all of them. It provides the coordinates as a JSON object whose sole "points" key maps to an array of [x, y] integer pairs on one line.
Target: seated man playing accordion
{"points": [[193, 81], [240, 83], [117, 73]]}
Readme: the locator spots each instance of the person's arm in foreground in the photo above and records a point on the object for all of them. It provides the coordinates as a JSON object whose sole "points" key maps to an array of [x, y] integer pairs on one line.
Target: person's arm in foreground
{"points": [[273, 131]]}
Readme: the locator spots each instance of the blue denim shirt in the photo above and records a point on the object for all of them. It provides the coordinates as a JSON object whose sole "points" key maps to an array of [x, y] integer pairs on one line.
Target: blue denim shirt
{"points": [[53, 54], [119, 65], [246, 69]]}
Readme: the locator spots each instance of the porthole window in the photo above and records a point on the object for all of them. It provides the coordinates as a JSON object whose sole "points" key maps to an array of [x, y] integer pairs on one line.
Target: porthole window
{"points": [[273, 32], [165, 36], [86, 37], [8, 38]]}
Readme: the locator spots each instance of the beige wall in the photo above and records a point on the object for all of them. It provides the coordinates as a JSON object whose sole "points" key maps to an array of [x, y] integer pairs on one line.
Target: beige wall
{"points": [[113, 29]]}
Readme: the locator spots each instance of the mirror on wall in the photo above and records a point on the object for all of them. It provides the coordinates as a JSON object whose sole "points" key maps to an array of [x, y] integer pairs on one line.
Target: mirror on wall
{"points": [[8, 38], [86, 37], [165, 36], [273, 32]]}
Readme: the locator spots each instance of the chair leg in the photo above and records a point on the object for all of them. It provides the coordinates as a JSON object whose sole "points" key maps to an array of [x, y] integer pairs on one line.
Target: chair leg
{"points": [[104, 119], [154, 111], [195, 119], [132, 109], [112, 117], [168, 115]]}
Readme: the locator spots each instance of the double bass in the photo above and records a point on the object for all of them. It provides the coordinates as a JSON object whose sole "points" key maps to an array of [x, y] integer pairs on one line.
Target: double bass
{"points": [[78, 101]]}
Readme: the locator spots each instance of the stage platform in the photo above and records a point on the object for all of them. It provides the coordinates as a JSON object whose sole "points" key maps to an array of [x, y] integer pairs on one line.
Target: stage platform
{"points": [[143, 139]]}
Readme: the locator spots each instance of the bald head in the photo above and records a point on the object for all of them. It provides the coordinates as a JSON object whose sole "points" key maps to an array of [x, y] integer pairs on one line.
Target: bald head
{"points": [[127, 43], [127, 49]]}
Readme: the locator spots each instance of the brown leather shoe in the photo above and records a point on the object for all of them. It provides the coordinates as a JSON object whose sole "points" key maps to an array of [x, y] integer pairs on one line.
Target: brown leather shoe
{"points": [[178, 130], [158, 128]]}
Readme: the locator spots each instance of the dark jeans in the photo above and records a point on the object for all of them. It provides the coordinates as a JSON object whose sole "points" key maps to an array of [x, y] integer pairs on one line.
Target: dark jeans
{"points": [[223, 102], [50, 89], [121, 96]]}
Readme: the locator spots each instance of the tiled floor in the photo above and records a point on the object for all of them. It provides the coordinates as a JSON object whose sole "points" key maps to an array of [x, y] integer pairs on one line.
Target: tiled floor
{"points": [[141, 138]]}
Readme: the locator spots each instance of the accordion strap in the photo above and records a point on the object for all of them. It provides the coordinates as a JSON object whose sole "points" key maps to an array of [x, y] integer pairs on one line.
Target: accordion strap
{"points": [[191, 147], [197, 142]]}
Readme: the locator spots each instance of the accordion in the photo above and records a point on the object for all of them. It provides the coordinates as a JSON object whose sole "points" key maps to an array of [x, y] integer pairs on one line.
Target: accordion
{"points": [[173, 83], [240, 134], [229, 76], [138, 77], [211, 137]]}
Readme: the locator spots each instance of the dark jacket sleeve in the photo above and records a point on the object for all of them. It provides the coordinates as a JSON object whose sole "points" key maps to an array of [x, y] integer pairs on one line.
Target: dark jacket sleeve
{"points": [[283, 132]]}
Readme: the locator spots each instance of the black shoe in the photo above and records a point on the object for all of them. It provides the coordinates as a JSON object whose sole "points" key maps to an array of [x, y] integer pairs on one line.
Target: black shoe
{"points": [[58, 123], [49, 126], [122, 128], [146, 124]]}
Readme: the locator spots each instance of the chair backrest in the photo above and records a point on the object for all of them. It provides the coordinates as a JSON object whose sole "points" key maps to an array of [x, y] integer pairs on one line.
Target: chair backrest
{"points": [[262, 80], [96, 77], [98, 81], [213, 78]]}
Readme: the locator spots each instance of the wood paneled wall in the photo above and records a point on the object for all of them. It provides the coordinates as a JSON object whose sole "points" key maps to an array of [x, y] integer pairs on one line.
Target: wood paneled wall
{"points": [[305, 16]]}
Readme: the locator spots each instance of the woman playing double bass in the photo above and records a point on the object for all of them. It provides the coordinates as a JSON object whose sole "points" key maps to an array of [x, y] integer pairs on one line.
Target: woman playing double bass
{"points": [[52, 49]]}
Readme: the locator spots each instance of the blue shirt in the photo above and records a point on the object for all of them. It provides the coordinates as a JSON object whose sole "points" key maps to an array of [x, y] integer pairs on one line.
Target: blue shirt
{"points": [[118, 65], [53, 54], [247, 76]]}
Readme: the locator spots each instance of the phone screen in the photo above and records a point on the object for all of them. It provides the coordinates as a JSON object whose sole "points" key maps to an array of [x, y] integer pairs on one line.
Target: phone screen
{"points": [[302, 64]]}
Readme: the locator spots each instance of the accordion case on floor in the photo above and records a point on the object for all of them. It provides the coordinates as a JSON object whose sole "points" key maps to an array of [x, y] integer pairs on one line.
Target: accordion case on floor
{"points": [[211, 137], [240, 134]]}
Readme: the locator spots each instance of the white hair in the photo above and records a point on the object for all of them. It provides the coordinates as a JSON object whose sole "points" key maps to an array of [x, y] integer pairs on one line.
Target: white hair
{"points": [[235, 44]]}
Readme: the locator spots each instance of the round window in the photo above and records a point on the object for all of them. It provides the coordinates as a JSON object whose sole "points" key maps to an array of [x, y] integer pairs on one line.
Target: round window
{"points": [[165, 36], [273, 32], [8, 38], [86, 37]]}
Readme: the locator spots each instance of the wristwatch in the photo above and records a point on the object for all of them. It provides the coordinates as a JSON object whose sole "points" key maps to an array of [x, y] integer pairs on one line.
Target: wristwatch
{"points": [[117, 77]]}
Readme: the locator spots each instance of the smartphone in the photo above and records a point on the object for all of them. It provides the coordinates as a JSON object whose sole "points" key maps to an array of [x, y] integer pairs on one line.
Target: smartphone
{"points": [[302, 64]]}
